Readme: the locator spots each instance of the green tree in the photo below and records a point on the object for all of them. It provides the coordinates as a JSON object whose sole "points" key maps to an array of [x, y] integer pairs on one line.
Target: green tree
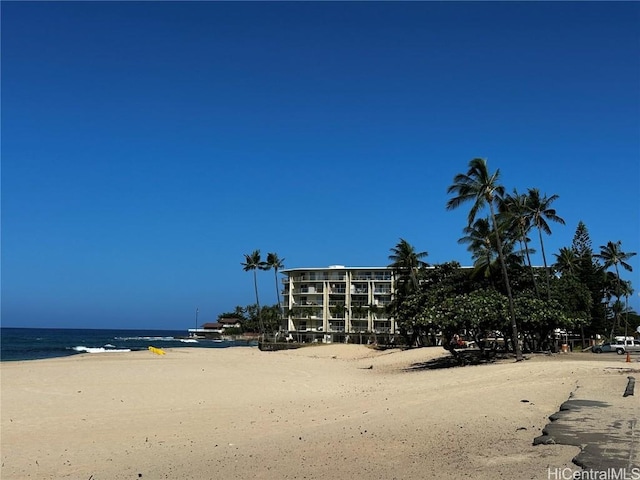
{"points": [[515, 210], [612, 255], [582, 241], [406, 262], [477, 313], [481, 188], [591, 274], [482, 242], [237, 313], [272, 318], [567, 261], [253, 263], [540, 318], [540, 212]]}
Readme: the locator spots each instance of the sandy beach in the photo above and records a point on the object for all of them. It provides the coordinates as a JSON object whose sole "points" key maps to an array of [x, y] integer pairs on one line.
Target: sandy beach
{"points": [[322, 412]]}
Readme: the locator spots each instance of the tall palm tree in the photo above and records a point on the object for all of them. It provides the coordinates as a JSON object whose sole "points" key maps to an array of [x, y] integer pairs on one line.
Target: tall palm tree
{"points": [[406, 261], [253, 263], [539, 209], [482, 188], [514, 208], [612, 255], [276, 263]]}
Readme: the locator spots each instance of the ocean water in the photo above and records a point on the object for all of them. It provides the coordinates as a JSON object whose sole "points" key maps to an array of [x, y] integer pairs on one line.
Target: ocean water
{"points": [[39, 343]]}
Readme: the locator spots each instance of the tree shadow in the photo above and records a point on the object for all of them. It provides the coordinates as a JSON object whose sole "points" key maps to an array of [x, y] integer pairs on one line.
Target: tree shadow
{"points": [[461, 359]]}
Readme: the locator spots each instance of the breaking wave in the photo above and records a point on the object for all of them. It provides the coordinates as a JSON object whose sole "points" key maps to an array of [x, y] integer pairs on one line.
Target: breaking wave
{"points": [[81, 348], [155, 339]]}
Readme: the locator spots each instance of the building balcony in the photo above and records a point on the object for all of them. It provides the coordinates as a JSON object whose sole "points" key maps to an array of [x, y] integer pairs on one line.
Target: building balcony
{"points": [[382, 277], [336, 326], [359, 326], [361, 277], [382, 330], [298, 291], [308, 326]]}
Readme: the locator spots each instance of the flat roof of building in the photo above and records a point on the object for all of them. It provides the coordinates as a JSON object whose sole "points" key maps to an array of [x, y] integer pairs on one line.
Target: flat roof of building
{"points": [[342, 267], [332, 268]]}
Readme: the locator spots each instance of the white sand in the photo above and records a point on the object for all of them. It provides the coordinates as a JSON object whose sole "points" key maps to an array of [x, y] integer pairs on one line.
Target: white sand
{"points": [[312, 413]]}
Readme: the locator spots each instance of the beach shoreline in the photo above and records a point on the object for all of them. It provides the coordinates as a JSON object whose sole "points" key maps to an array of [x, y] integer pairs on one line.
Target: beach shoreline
{"points": [[325, 412]]}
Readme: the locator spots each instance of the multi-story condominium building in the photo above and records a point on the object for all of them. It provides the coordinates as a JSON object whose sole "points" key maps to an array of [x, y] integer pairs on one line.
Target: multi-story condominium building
{"points": [[329, 304]]}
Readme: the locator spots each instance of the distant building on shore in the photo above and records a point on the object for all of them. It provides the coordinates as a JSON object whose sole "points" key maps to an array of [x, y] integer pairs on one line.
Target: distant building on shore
{"points": [[215, 329], [331, 304]]}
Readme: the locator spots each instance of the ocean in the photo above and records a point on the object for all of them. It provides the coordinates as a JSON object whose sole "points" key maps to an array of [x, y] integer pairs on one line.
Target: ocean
{"points": [[40, 343]]}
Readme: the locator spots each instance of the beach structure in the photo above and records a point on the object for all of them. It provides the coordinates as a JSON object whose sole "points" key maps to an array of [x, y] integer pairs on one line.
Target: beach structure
{"points": [[337, 303], [215, 329]]}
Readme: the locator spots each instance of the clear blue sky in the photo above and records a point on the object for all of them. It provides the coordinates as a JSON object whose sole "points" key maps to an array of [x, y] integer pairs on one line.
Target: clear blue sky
{"points": [[147, 146]]}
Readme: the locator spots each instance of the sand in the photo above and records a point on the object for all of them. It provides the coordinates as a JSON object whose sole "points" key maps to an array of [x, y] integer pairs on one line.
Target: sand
{"points": [[322, 412]]}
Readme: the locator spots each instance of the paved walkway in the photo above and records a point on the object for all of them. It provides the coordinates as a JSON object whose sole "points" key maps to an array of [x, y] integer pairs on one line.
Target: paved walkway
{"points": [[604, 423]]}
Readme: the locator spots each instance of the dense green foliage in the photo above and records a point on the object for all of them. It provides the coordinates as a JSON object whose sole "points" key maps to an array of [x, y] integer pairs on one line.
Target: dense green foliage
{"points": [[580, 294]]}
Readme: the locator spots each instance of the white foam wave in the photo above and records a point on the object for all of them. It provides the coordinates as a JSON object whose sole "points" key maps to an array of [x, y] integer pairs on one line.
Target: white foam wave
{"points": [[81, 348], [188, 340], [155, 339]]}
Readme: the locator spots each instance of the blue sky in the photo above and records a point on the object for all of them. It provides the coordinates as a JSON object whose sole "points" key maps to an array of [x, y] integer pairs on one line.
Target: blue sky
{"points": [[147, 146]]}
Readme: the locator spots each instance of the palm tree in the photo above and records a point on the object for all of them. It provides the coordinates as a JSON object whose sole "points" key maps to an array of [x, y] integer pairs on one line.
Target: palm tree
{"points": [[481, 240], [276, 263], [539, 209], [252, 263], [406, 261], [483, 246], [612, 255], [567, 261], [514, 208], [482, 188]]}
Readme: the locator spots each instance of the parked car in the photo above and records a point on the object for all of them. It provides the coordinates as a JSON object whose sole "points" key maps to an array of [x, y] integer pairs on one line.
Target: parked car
{"points": [[603, 348], [620, 346]]}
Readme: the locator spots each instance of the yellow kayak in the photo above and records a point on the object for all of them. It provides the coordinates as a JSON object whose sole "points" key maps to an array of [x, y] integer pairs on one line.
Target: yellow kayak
{"points": [[157, 351]]}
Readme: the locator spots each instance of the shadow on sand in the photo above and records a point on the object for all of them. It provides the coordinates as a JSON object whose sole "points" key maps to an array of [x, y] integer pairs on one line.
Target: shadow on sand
{"points": [[462, 358]]}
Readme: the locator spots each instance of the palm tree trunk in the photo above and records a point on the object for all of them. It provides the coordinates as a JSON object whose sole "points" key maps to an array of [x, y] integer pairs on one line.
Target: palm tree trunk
{"points": [[526, 250], [544, 260], [617, 315], [512, 311], [255, 285], [414, 279], [606, 304], [277, 290]]}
